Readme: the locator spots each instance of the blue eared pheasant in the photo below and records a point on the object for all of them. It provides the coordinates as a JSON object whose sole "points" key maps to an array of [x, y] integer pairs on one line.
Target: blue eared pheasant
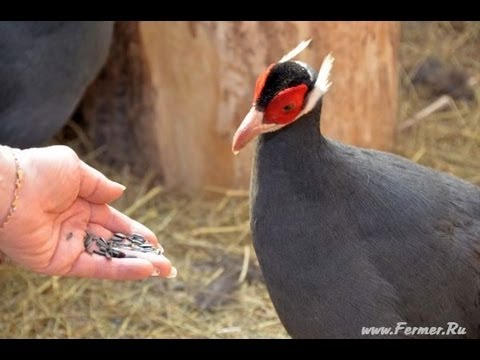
{"points": [[348, 237]]}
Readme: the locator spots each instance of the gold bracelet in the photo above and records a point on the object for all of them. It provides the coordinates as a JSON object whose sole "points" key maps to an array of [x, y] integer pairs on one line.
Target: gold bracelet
{"points": [[18, 185]]}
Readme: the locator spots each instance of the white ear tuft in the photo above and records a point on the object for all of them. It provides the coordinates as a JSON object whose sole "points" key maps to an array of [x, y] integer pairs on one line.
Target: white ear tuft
{"points": [[323, 82], [298, 49]]}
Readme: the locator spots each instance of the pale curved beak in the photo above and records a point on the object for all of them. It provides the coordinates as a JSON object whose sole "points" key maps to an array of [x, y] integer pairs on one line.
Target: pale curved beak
{"points": [[251, 126]]}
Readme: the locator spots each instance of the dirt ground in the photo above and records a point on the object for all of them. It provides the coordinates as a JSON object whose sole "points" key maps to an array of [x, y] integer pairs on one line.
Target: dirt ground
{"points": [[219, 292]]}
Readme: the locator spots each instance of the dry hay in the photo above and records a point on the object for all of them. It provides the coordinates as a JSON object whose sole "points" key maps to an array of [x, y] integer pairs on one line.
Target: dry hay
{"points": [[447, 140]]}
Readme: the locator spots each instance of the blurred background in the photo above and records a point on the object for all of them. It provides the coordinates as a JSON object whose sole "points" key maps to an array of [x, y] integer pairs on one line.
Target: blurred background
{"points": [[160, 118]]}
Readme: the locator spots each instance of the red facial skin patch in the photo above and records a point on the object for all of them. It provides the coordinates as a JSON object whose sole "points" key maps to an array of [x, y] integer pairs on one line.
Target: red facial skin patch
{"points": [[261, 82], [286, 105]]}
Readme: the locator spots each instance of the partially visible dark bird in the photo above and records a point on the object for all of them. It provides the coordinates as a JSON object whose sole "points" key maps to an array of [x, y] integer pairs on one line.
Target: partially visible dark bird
{"points": [[348, 237], [438, 80], [45, 66]]}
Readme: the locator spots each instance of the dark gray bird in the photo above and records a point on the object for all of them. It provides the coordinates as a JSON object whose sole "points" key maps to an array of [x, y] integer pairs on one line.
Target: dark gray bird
{"points": [[348, 237], [437, 79], [45, 66]]}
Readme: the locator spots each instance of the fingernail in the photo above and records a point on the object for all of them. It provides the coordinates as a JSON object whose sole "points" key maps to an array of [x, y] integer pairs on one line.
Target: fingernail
{"points": [[173, 273], [122, 186]]}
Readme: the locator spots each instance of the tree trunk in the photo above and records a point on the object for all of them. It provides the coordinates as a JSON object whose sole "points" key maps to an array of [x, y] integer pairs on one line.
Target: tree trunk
{"points": [[192, 84]]}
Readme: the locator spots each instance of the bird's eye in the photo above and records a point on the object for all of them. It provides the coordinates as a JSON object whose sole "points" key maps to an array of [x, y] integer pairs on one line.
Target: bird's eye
{"points": [[286, 105]]}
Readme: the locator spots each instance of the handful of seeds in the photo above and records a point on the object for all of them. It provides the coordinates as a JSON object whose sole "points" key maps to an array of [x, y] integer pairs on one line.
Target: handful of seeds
{"points": [[119, 245]]}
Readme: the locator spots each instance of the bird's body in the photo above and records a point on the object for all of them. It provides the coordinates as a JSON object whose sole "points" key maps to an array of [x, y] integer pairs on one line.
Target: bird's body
{"points": [[45, 66], [349, 238]]}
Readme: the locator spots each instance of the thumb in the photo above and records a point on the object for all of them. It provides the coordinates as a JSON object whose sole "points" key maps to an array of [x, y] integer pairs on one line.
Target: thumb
{"points": [[96, 187]]}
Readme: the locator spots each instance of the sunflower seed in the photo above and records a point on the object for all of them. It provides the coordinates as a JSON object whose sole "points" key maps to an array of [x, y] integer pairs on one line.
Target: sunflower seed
{"points": [[111, 248]]}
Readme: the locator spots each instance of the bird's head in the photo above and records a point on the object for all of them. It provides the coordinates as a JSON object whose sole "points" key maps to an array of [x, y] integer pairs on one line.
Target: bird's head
{"points": [[284, 92]]}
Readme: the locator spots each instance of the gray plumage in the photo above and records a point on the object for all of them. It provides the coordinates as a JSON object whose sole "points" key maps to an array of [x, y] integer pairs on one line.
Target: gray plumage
{"points": [[45, 66], [349, 237]]}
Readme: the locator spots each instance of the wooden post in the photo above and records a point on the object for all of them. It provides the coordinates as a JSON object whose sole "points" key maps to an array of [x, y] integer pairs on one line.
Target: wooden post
{"points": [[361, 109], [198, 79]]}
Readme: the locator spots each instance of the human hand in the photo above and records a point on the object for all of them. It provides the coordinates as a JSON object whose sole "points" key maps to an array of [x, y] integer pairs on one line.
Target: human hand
{"points": [[60, 200]]}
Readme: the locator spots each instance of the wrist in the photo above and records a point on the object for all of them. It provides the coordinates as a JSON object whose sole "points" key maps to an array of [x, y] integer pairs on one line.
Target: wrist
{"points": [[10, 183]]}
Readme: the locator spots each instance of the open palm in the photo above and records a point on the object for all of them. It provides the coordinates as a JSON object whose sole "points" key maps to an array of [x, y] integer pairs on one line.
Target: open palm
{"points": [[62, 198]]}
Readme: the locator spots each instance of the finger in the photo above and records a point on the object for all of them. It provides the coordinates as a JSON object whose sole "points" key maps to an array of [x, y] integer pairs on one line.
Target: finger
{"points": [[96, 187], [99, 267], [114, 221], [160, 262]]}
